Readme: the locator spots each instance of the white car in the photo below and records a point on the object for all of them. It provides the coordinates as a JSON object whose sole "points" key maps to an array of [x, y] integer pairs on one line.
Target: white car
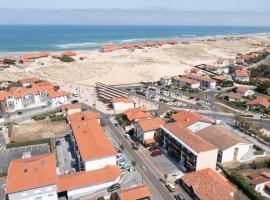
{"points": [[127, 136]]}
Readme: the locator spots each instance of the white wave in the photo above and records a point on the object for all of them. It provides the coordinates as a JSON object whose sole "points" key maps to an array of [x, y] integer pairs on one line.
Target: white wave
{"points": [[189, 35], [79, 45]]}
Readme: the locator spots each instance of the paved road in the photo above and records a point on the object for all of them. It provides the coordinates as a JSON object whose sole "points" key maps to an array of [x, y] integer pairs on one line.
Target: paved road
{"points": [[149, 177]]}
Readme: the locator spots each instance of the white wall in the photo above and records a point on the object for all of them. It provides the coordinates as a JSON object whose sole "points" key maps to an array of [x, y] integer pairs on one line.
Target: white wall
{"points": [[228, 154], [46, 193], [75, 194], [207, 159], [57, 101], [100, 163], [121, 106], [198, 126]]}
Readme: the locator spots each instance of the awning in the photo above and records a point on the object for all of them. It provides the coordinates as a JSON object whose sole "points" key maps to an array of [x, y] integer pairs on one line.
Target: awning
{"points": [[150, 141]]}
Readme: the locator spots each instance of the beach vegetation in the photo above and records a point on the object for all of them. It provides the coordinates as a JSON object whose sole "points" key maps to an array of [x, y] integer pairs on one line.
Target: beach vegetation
{"points": [[263, 87], [9, 61], [67, 59]]}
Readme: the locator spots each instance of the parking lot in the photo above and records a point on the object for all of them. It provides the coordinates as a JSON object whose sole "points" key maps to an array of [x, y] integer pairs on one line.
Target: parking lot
{"points": [[65, 155], [6, 155]]}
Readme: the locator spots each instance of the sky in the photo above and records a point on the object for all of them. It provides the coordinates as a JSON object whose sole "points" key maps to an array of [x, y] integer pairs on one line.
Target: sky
{"points": [[136, 12]]}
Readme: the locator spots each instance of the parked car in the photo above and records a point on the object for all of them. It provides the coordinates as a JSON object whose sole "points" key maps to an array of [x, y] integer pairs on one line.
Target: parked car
{"points": [[171, 187], [58, 142], [153, 148], [127, 136], [156, 153], [114, 187], [117, 125], [179, 197], [134, 146]]}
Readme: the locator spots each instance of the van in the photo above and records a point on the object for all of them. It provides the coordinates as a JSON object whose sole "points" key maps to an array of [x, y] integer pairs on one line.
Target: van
{"points": [[171, 187]]}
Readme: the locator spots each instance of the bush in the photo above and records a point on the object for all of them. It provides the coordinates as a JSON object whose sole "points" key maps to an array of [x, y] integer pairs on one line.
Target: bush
{"points": [[58, 118], [67, 59], [260, 164], [9, 61], [113, 196], [100, 198], [121, 119], [13, 144], [39, 117], [243, 184]]}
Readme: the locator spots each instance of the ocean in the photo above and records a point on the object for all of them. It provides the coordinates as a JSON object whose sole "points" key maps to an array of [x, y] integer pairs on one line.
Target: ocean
{"points": [[28, 38]]}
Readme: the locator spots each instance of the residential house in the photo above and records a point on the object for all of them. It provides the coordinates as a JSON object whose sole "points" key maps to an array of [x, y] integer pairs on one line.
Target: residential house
{"points": [[245, 92], [232, 97], [191, 120], [165, 80], [231, 147], [32, 178], [29, 81], [122, 104], [207, 184], [69, 109], [146, 129], [94, 149], [78, 184], [35, 95], [259, 104], [182, 82], [134, 115], [205, 82], [140, 192], [261, 182], [162, 110], [241, 75], [189, 150]]}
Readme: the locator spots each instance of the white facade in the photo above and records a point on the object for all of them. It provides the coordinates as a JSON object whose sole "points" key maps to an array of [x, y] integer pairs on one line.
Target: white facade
{"points": [[182, 84], [246, 93], [198, 126], [43, 193], [57, 101], [122, 106], [207, 159], [77, 193], [100, 163], [235, 152], [223, 70], [241, 79]]}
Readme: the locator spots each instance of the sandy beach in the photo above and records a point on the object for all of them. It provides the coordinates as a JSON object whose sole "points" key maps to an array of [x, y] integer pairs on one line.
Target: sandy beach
{"points": [[124, 67]]}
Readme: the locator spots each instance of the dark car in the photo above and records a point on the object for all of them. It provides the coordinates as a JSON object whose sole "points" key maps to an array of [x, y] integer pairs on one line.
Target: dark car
{"points": [[58, 142], [74, 101], [114, 187], [153, 148], [134, 146], [156, 153], [179, 197]]}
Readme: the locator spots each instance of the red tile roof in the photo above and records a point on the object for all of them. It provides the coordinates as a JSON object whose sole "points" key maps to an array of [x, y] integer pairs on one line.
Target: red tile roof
{"points": [[241, 73], [220, 78], [198, 78], [151, 124], [134, 193], [91, 139], [29, 80], [29, 173], [88, 178], [259, 101], [69, 53], [208, 184], [191, 139], [136, 114], [185, 80], [185, 118], [124, 100], [35, 55]]}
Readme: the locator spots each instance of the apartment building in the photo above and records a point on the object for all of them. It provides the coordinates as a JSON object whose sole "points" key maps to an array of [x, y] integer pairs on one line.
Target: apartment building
{"points": [[31, 96], [182, 82], [122, 104], [187, 148], [205, 82]]}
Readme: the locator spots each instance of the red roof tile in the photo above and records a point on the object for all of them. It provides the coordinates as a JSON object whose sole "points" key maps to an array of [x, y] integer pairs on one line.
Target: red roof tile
{"points": [[185, 118], [134, 193], [151, 124]]}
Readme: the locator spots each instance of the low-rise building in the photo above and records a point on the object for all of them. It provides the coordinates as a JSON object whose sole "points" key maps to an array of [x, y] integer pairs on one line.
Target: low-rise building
{"points": [[259, 104], [35, 95], [207, 184], [261, 182], [205, 82], [190, 150], [182, 82], [165, 80], [84, 183], [241, 75], [231, 147], [29, 81], [122, 104], [32, 178], [140, 192], [245, 92], [70, 109], [146, 129], [93, 148], [232, 96], [191, 120]]}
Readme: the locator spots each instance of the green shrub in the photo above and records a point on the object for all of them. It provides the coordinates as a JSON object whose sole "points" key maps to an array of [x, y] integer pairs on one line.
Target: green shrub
{"points": [[58, 118], [122, 120], [39, 117], [13, 144], [243, 184], [9, 61], [260, 164], [113, 196], [67, 59], [100, 198]]}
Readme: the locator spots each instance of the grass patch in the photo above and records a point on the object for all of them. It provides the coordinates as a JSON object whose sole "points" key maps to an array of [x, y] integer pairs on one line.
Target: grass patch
{"points": [[14, 144]]}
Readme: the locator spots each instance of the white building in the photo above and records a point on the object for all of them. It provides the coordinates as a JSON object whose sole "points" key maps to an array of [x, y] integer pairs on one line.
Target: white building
{"points": [[182, 82], [83, 183], [94, 150], [245, 92], [241, 75], [165, 80], [146, 129], [205, 82], [122, 104], [187, 148], [191, 120], [36, 95], [32, 178], [231, 146]]}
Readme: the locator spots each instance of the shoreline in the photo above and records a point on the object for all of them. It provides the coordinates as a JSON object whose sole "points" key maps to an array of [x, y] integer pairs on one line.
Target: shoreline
{"points": [[178, 39]]}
